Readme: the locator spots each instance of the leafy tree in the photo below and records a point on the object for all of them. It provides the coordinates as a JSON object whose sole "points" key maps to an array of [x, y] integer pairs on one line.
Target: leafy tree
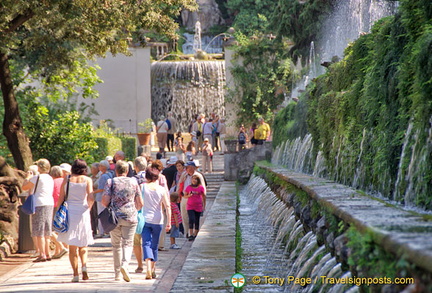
{"points": [[46, 38], [251, 16], [261, 77]]}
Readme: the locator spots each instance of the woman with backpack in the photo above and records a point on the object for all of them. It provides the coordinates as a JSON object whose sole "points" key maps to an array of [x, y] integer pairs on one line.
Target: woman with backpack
{"points": [[242, 138]]}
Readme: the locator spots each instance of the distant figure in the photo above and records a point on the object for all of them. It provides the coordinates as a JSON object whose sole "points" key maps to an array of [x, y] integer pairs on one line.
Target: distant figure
{"points": [[242, 138], [222, 134], [176, 220], [162, 133], [215, 134], [207, 152], [197, 127], [262, 133], [171, 131], [253, 140], [190, 151], [180, 147]]}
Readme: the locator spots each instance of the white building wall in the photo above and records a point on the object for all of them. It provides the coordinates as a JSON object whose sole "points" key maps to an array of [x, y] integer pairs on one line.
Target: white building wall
{"points": [[124, 95]]}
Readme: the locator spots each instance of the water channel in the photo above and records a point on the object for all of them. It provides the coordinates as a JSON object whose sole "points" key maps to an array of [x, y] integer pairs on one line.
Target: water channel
{"points": [[278, 253]]}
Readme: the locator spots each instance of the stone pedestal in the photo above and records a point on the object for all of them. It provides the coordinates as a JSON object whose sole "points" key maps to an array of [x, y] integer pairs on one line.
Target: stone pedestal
{"points": [[25, 241], [231, 145], [144, 149]]}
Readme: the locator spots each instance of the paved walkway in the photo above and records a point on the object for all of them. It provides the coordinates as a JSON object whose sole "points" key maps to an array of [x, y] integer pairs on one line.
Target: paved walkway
{"points": [[206, 263]]}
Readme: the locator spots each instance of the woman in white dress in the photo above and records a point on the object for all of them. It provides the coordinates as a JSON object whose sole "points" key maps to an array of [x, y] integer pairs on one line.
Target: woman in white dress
{"points": [[80, 200]]}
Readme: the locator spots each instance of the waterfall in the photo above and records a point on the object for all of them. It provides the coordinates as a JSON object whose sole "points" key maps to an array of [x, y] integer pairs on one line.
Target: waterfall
{"points": [[344, 24], [274, 243], [187, 88], [347, 20]]}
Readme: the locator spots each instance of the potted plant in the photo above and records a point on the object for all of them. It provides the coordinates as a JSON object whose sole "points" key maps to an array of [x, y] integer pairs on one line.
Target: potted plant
{"points": [[144, 129]]}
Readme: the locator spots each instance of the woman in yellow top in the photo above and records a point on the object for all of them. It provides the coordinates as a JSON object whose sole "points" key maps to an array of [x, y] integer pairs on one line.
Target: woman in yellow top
{"points": [[262, 133]]}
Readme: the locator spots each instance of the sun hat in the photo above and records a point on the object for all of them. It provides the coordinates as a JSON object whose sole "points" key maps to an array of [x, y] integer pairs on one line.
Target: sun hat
{"points": [[66, 167], [172, 160]]}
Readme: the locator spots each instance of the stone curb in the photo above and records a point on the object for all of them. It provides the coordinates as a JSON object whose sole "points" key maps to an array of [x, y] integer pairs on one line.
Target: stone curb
{"points": [[393, 228]]}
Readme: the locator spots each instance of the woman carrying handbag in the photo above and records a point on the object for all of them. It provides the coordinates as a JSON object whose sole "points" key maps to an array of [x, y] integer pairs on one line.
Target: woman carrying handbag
{"points": [[79, 200], [41, 220]]}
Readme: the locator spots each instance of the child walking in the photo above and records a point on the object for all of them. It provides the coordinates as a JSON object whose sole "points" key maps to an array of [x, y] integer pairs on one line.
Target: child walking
{"points": [[195, 205], [176, 220]]}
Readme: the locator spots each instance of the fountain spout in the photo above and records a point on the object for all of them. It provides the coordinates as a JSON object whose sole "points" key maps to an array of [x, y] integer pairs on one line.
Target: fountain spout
{"points": [[197, 37]]}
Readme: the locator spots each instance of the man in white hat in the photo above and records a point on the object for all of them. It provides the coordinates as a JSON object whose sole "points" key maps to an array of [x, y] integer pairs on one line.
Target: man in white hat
{"points": [[170, 170]]}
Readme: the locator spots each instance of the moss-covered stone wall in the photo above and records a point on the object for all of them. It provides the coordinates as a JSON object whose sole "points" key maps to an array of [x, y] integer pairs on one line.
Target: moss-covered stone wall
{"points": [[370, 115], [341, 219]]}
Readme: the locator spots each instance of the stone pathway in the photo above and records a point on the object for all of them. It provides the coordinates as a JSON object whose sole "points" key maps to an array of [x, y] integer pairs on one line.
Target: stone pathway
{"points": [[205, 264]]}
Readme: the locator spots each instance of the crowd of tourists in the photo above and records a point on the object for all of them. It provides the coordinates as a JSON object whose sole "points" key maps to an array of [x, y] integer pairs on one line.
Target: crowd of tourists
{"points": [[207, 135], [148, 199]]}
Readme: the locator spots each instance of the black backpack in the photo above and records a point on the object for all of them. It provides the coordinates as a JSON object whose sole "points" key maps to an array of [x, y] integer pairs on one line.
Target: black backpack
{"points": [[242, 138]]}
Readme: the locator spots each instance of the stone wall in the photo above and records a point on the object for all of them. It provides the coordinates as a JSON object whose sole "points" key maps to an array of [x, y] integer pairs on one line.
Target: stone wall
{"points": [[370, 238], [239, 164]]}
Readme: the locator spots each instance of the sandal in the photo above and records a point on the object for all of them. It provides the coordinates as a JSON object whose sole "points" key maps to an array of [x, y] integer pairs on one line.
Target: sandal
{"points": [[40, 259], [148, 275], [139, 270], [84, 273]]}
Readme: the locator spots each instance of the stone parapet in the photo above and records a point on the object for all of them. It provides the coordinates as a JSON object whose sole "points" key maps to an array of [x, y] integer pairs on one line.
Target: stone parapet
{"points": [[239, 164], [403, 233]]}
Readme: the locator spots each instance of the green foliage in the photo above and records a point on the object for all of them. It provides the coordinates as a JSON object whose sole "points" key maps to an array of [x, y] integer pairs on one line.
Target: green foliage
{"points": [[261, 76], [300, 22], [129, 147], [60, 139], [251, 16], [289, 122], [106, 146], [370, 259], [370, 113]]}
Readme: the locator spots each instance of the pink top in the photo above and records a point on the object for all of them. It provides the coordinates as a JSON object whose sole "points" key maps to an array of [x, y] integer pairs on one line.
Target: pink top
{"points": [[195, 202], [56, 193]]}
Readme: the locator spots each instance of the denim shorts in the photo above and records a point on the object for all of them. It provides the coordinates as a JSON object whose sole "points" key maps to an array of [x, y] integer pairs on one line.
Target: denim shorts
{"points": [[174, 232]]}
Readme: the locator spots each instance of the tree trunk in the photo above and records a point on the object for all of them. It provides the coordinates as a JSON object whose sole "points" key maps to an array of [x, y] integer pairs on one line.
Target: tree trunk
{"points": [[18, 142]]}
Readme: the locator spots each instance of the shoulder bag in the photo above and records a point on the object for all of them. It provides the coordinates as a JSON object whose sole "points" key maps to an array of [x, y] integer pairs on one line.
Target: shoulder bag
{"points": [[29, 205], [61, 217], [108, 217]]}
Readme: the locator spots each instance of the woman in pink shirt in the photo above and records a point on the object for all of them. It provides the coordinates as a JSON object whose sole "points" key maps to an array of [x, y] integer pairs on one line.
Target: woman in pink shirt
{"points": [[195, 193], [57, 174]]}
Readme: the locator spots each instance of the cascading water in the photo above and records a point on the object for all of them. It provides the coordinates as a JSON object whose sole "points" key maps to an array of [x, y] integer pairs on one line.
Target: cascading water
{"points": [[275, 244], [345, 23], [347, 20], [187, 88]]}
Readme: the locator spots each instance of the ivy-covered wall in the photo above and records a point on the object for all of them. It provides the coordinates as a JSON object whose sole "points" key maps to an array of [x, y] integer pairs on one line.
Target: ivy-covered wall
{"points": [[372, 111]]}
